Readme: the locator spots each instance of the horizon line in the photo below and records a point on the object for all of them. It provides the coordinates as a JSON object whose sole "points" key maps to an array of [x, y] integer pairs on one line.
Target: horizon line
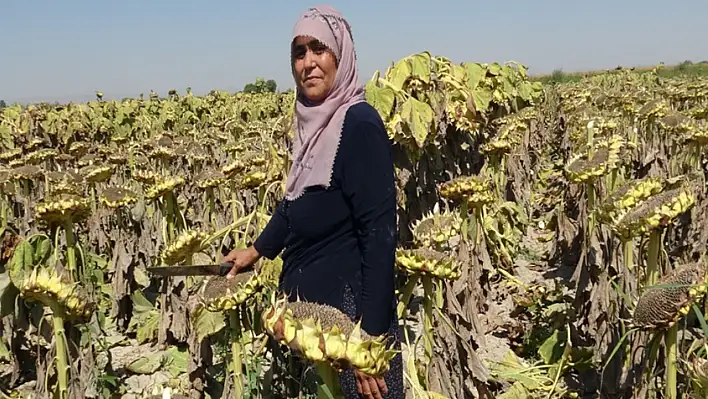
{"points": [[74, 98]]}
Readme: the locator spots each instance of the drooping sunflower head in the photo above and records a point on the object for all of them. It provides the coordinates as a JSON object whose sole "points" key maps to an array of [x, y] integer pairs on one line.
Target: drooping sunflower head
{"points": [[662, 306], [428, 261], [221, 294], [475, 190], [653, 109], [90, 159], [145, 176], [254, 177], [40, 155], [97, 173], [118, 197], [79, 148], [163, 186], [605, 158], [436, 229], [233, 168], [210, 179], [34, 144], [185, 245], [508, 136], [63, 208], [27, 172], [675, 122], [9, 155], [323, 333], [627, 196], [655, 212], [54, 291]]}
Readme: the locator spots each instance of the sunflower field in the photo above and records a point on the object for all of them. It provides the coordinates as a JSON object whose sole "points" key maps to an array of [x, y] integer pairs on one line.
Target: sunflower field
{"points": [[552, 242]]}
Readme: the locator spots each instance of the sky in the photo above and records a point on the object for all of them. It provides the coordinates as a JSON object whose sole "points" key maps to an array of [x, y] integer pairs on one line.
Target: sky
{"points": [[66, 50]]}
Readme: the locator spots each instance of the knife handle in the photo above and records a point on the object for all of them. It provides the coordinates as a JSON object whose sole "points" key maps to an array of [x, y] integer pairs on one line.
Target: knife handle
{"points": [[225, 268]]}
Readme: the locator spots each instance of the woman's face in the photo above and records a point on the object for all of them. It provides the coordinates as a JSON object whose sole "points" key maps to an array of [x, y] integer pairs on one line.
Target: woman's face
{"points": [[314, 67]]}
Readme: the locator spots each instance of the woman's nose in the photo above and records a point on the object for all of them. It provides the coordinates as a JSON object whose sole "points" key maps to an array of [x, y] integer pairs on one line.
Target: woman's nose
{"points": [[309, 59]]}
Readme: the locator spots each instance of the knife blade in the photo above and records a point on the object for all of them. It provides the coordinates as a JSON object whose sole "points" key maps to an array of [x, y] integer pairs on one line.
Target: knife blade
{"points": [[196, 270]]}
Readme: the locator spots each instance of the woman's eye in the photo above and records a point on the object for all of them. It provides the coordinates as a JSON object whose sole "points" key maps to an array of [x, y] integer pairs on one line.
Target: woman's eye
{"points": [[318, 48], [299, 51]]}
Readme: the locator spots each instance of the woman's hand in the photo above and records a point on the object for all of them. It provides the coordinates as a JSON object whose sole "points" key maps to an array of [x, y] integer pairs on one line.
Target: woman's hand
{"points": [[370, 387], [241, 258]]}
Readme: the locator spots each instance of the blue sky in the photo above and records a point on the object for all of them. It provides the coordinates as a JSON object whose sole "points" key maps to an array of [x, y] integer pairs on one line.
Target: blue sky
{"points": [[65, 50]]}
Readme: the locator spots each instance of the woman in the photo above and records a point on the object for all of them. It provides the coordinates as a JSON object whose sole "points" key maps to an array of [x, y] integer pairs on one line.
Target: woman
{"points": [[337, 223]]}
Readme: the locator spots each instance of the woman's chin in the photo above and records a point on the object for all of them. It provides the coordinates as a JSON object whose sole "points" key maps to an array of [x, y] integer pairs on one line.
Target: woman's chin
{"points": [[315, 94]]}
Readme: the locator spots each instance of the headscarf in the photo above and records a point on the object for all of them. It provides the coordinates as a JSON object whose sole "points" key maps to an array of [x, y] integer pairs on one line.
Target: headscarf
{"points": [[318, 127]]}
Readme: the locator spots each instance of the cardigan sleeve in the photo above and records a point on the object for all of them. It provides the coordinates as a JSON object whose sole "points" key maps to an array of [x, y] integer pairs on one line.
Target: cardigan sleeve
{"points": [[368, 185], [272, 239]]}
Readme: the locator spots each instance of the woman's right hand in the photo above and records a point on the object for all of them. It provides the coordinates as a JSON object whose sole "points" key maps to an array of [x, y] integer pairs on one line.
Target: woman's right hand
{"points": [[241, 258]]}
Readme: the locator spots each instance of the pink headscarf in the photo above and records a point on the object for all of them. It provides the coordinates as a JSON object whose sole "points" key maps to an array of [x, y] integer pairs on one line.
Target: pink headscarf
{"points": [[318, 128]]}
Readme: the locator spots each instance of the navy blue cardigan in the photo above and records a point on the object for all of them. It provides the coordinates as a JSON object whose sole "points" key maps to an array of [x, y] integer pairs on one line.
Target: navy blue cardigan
{"points": [[345, 234]]}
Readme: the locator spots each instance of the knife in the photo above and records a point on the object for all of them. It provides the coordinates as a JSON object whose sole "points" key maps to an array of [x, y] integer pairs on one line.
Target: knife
{"points": [[196, 270]]}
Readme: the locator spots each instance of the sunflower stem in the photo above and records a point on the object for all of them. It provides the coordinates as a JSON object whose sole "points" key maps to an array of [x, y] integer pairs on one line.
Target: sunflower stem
{"points": [[591, 207], [590, 131], [234, 201], [119, 219], [26, 195], [478, 224], [170, 216], [92, 189], [212, 206], [590, 187], [502, 177], [653, 257], [628, 254], [163, 208], [428, 321], [329, 387], [671, 358], [71, 249], [62, 387], [406, 293], [235, 323], [3, 211], [613, 179]]}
